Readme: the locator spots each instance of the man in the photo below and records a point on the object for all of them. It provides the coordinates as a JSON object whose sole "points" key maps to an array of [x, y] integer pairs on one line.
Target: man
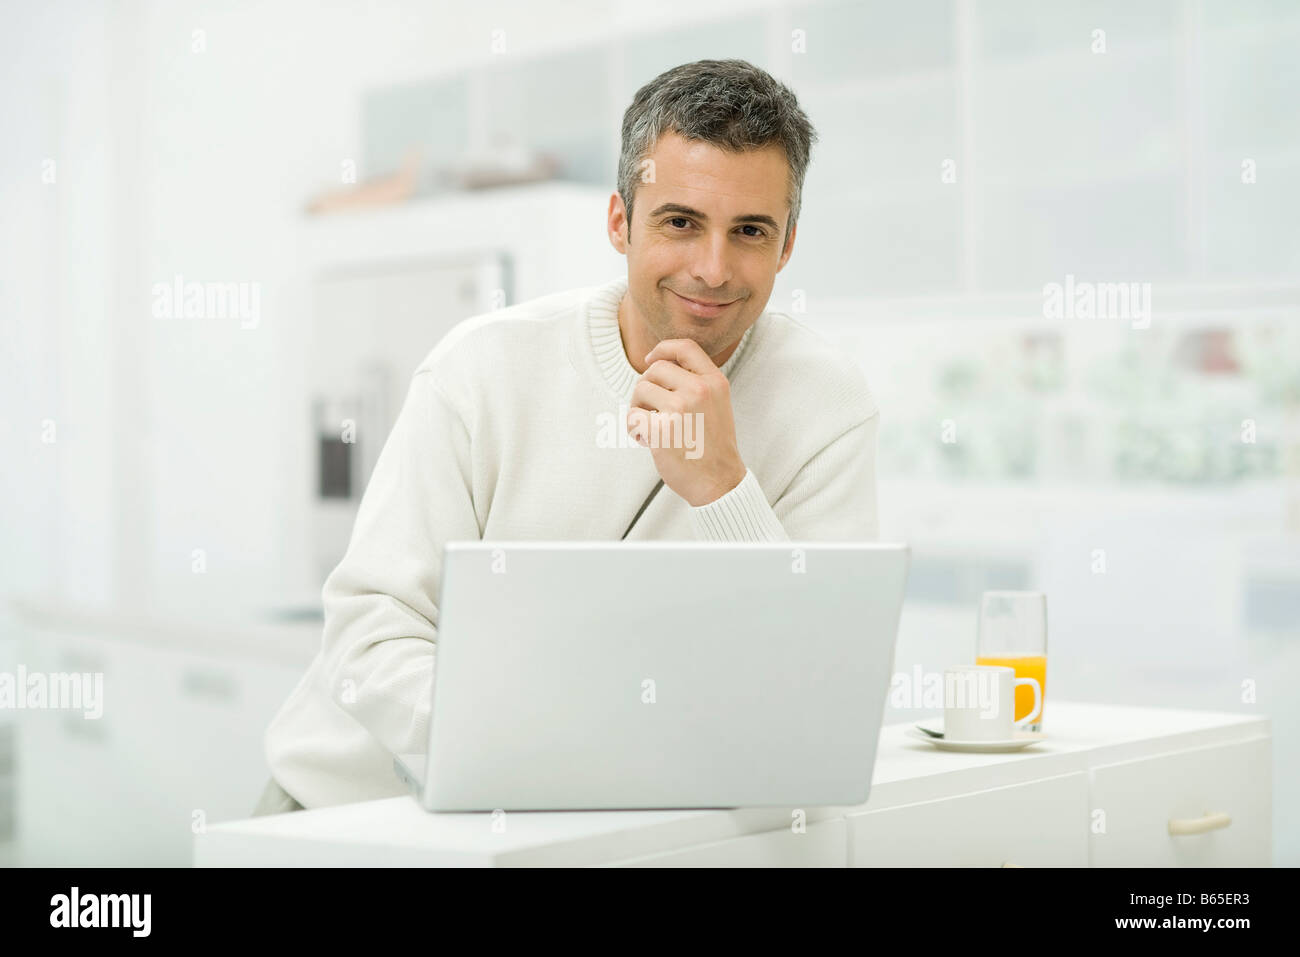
{"points": [[756, 428]]}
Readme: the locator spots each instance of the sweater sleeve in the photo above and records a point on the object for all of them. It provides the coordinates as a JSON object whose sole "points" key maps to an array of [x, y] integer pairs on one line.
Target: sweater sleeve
{"points": [[831, 498], [381, 614]]}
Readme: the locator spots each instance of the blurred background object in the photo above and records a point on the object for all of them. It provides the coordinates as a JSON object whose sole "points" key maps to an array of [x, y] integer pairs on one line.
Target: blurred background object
{"points": [[177, 486], [396, 187]]}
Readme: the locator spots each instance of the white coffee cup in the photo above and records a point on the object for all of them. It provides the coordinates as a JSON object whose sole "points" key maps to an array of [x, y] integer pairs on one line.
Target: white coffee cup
{"points": [[979, 702]]}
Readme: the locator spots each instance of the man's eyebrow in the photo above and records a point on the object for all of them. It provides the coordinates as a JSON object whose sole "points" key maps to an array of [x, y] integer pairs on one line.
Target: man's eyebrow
{"points": [[688, 211]]}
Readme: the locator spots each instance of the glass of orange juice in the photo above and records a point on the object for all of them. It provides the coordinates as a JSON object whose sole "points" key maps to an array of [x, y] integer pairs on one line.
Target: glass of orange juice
{"points": [[1013, 633]]}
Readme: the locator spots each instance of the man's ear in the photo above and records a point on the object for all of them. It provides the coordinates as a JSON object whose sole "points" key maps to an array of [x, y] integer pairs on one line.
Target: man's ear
{"points": [[617, 224]]}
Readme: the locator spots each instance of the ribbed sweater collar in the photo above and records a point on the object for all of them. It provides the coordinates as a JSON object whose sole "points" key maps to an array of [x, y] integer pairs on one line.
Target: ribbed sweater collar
{"points": [[606, 341]]}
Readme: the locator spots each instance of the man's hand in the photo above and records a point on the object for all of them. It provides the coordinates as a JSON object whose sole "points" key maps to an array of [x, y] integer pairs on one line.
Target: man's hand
{"points": [[681, 410]]}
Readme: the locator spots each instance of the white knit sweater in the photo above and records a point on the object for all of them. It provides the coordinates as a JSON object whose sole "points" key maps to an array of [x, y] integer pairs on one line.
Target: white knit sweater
{"points": [[505, 435]]}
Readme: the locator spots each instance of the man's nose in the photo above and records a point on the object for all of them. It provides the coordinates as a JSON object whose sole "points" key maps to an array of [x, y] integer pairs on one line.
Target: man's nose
{"points": [[712, 266]]}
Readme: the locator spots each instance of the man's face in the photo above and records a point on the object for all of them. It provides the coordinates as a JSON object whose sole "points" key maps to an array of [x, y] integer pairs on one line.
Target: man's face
{"points": [[709, 227]]}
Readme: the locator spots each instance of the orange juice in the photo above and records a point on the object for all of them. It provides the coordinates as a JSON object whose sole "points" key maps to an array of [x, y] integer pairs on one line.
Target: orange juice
{"points": [[1028, 666]]}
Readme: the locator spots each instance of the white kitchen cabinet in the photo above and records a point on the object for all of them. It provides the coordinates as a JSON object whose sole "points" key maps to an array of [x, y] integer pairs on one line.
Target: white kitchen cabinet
{"points": [[1203, 807], [179, 745], [819, 845], [1039, 824]]}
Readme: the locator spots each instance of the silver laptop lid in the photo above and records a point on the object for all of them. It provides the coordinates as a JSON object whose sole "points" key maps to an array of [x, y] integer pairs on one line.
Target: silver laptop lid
{"points": [[603, 675]]}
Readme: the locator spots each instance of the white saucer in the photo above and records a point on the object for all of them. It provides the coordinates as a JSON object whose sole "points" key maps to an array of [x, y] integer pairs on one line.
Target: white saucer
{"points": [[1021, 739]]}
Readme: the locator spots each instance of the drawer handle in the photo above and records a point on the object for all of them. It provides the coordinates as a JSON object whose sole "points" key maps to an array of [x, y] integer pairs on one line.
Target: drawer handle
{"points": [[1199, 825]]}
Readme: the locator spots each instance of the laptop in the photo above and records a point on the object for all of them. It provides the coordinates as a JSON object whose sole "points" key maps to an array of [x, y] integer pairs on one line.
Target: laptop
{"points": [[634, 675]]}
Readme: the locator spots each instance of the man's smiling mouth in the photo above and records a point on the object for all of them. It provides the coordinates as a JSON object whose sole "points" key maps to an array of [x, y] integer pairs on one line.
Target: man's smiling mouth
{"points": [[705, 309]]}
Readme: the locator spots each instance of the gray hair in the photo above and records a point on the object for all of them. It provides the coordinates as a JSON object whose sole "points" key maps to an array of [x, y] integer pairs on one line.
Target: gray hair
{"points": [[730, 104]]}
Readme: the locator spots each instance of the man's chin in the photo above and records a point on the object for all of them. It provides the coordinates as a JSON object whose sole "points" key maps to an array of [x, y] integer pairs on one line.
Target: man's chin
{"points": [[704, 334], [709, 344]]}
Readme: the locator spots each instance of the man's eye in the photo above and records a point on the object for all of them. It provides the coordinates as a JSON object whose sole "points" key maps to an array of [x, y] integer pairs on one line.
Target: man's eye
{"points": [[757, 234]]}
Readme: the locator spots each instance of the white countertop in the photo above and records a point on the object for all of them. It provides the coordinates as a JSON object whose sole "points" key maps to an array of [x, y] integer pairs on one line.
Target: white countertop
{"points": [[906, 771]]}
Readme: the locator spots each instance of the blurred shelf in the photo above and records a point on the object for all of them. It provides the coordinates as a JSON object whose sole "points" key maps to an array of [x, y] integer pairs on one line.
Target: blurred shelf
{"points": [[249, 636], [949, 491], [1183, 302], [550, 232]]}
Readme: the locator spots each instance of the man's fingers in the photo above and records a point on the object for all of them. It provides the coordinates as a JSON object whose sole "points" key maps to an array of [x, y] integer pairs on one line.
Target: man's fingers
{"points": [[668, 374], [652, 397], [687, 353], [656, 428]]}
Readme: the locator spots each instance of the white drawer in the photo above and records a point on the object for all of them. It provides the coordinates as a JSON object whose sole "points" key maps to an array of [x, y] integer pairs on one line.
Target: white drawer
{"points": [[1220, 797], [180, 732], [822, 845], [1040, 824]]}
